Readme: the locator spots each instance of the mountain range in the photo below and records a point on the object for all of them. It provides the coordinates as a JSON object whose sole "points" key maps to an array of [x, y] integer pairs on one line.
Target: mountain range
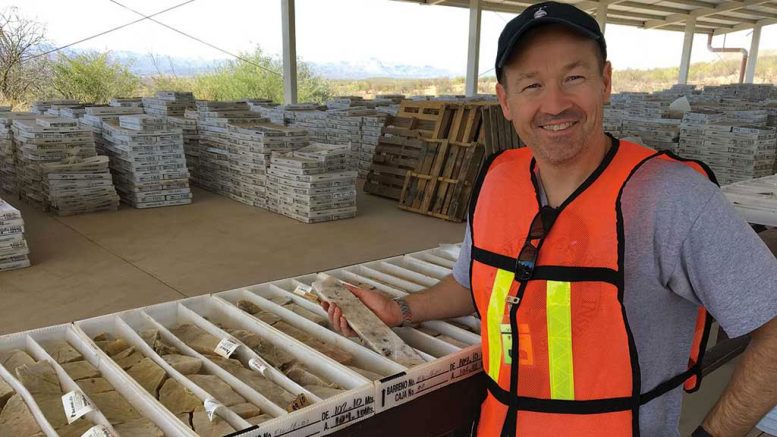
{"points": [[145, 64]]}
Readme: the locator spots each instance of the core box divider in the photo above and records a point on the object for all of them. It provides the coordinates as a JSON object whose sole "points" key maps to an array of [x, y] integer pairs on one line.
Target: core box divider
{"points": [[28, 343], [363, 357], [114, 325], [403, 273], [435, 260], [421, 266], [239, 386], [320, 364]]}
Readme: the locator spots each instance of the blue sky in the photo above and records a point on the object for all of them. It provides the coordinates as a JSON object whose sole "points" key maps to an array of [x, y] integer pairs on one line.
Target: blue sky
{"points": [[334, 31]]}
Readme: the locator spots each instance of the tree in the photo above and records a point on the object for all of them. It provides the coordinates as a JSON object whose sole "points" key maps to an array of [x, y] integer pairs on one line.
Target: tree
{"points": [[23, 64], [254, 76], [93, 77]]}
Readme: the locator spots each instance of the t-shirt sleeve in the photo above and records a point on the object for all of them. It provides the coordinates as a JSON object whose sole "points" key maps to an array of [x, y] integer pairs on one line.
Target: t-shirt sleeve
{"points": [[725, 266], [461, 268]]}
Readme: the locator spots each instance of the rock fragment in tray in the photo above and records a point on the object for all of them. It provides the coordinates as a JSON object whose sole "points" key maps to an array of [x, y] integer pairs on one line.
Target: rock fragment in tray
{"points": [[41, 380], [184, 364], [207, 428], [15, 358], [62, 352], [17, 420], [177, 398], [148, 374], [364, 322]]}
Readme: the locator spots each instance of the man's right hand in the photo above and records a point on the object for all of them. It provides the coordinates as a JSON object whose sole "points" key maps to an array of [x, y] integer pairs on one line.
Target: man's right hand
{"points": [[386, 309]]}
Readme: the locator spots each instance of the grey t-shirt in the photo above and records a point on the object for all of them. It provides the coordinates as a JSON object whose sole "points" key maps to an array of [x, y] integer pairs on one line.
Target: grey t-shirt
{"points": [[685, 245]]}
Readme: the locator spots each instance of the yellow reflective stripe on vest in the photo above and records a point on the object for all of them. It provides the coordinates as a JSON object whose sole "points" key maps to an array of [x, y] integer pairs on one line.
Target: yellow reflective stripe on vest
{"points": [[496, 312], [559, 314]]}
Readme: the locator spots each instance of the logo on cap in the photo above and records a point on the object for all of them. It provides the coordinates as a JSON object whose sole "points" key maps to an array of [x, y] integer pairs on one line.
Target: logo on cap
{"points": [[539, 13]]}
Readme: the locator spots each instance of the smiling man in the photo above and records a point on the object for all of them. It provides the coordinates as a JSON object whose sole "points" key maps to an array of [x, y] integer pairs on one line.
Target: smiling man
{"points": [[593, 262]]}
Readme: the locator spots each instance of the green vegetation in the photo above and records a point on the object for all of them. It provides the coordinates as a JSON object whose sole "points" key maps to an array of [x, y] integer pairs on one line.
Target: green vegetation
{"points": [[92, 77], [256, 75]]}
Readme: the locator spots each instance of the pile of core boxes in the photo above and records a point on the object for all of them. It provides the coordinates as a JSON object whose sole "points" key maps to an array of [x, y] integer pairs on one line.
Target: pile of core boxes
{"points": [[45, 140], [191, 141], [95, 116], [79, 187], [168, 103], [127, 102], [8, 183], [228, 164], [372, 127], [147, 161], [734, 152], [235, 147], [41, 106], [312, 184], [13, 247]]}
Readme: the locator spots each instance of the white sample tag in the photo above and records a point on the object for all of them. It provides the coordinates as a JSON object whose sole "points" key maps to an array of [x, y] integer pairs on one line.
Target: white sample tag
{"points": [[211, 405], [303, 290], [226, 347], [307, 292], [97, 431], [76, 404], [259, 365]]}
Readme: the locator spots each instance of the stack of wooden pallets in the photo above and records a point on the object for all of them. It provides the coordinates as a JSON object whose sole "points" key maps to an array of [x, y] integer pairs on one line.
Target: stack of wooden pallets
{"points": [[430, 152]]}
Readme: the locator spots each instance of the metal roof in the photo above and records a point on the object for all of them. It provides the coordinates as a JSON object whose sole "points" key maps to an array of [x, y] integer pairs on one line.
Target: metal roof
{"points": [[712, 16]]}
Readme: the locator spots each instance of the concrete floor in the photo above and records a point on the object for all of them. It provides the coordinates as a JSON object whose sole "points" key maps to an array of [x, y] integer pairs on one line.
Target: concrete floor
{"points": [[94, 264]]}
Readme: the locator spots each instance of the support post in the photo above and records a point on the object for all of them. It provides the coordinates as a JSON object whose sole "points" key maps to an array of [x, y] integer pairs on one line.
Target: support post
{"points": [[753, 55], [601, 14], [289, 52], [473, 49], [685, 60]]}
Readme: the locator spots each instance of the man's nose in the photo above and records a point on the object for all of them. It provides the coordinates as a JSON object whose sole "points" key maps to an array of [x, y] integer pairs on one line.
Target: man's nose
{"points": [[555, 100]]}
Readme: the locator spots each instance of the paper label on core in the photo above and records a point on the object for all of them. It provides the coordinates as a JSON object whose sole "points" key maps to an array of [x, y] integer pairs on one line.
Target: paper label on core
{"points": [[226, 347], [76, 404]]}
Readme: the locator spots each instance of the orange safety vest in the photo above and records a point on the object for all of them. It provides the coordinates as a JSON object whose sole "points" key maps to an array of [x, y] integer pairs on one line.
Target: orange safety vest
{"points": [[573, 369]]}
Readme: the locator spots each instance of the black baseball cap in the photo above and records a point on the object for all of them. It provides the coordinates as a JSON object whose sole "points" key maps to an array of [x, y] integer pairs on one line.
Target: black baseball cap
{"points": [[546, 13]]}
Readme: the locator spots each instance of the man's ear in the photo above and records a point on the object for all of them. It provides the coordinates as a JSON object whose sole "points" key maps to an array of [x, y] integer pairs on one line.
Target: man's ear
{"points": [[607, 80], [501, 94]]}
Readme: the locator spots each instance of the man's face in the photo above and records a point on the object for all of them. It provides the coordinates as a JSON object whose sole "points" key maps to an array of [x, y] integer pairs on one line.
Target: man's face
{"points": [[554, 93]]}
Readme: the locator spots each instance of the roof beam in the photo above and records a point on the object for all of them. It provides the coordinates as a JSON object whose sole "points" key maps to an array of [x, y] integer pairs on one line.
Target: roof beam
{"points": [[648, 7], [703, 12], [694, 3], [729, 20], [764, 22], [760, 14]]}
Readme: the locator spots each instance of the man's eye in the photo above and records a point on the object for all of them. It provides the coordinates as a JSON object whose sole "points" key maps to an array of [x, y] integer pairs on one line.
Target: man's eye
{"points": [[574, 78], [532, 86]]}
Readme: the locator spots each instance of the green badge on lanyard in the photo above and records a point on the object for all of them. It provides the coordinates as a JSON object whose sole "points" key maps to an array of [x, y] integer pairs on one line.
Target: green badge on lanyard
{"points": [[507, 342]]}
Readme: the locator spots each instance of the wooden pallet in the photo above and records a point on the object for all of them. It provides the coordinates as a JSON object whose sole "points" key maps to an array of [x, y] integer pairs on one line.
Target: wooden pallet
{"points": [[394, 157], [497, 132], [437, 115], [401, 150], [443, 183]]}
